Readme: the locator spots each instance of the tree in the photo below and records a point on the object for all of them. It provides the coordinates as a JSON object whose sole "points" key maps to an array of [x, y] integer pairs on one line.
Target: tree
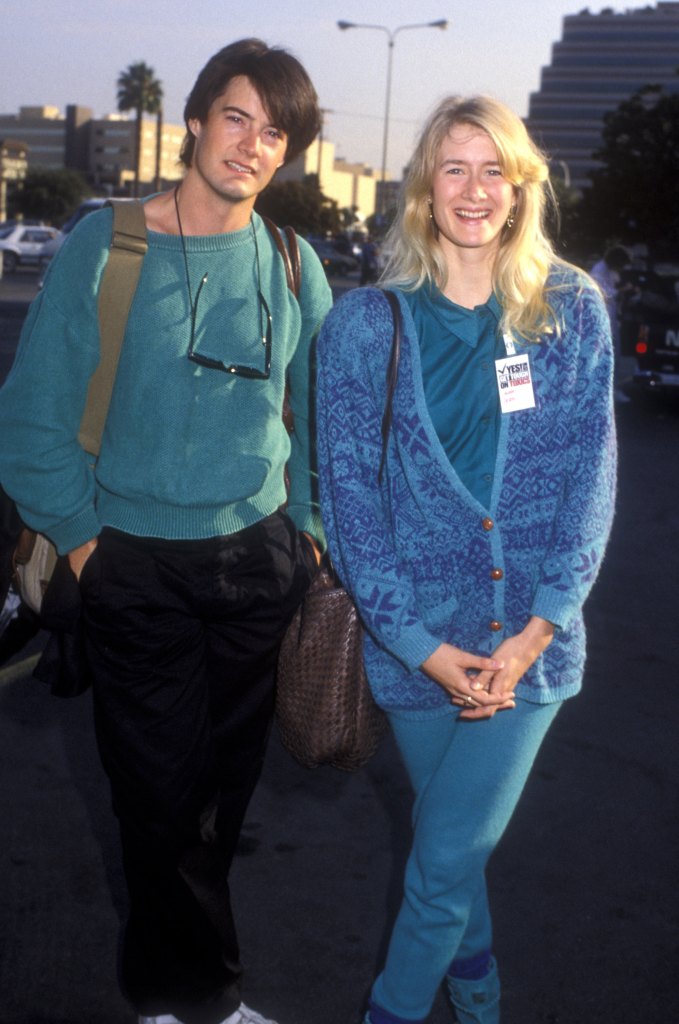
{"points": [[634, 195], [49, 195], [300, 204], [159, 143], [140, 90]]}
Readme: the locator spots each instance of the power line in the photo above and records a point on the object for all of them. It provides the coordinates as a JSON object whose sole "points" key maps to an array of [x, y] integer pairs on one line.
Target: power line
{"points": [[375, 117]]}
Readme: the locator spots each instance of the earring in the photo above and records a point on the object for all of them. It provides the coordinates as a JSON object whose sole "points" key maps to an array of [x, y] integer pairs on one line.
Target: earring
{"points": [[512, 216], [434, 225]]}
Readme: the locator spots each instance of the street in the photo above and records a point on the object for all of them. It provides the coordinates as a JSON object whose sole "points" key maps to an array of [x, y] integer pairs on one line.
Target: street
{"points": [[583, 885]]}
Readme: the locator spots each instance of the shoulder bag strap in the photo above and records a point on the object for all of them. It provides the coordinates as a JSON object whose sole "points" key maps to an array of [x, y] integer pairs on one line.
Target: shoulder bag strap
{"points": [[290, 254], [293, 274], [392, 376], [118, 285]]}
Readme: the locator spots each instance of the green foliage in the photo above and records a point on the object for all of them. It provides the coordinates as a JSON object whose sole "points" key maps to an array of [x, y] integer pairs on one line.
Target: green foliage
{"points": [[347, 217], [49, 195], [378, 224], [302, 205], [139, 89], [634, 195]]}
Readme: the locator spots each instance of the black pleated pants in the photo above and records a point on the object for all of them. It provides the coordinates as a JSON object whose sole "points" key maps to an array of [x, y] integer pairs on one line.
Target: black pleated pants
{"points": [[182, 638]]}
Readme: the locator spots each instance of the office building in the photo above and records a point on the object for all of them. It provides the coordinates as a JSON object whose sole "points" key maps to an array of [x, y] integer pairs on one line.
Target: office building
{"points": [[352, 185], [101, 149], [601, 60]]}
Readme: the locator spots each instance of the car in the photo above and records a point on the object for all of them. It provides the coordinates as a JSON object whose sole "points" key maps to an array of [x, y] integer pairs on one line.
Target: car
{"points": [[25, 222], [649, 326], [25, 245], [334, 262], [87, 206]]}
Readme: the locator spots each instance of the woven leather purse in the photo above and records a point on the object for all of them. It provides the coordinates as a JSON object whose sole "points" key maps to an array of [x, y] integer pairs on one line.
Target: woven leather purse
{"points": [[325, 711]]}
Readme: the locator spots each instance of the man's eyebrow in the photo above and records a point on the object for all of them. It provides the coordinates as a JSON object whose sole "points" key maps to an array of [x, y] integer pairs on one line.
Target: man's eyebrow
{"points": [[249, 117], [237, 110]]}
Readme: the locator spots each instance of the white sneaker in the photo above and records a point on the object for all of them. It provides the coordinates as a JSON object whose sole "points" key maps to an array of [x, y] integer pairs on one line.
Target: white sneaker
{"points": [[164, 1018], [244, 1015]]}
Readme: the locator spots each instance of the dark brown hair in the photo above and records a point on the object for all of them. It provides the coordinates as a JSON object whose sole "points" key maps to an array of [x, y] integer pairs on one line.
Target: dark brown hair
{"points": [[281, 82]]}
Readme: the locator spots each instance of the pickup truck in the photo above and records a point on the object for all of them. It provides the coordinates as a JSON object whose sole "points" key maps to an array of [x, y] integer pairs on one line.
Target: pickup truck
{"points": [[649, 326]]}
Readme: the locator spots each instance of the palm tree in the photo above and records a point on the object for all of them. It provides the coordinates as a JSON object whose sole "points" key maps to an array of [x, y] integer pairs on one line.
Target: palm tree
{"points": [[140, 90], [159, 139]]}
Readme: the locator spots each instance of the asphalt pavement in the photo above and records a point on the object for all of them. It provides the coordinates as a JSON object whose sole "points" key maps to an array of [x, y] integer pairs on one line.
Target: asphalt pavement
{"points": [[583, 885]]}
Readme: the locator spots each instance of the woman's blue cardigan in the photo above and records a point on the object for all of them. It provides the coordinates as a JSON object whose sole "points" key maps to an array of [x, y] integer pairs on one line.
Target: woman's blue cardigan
{"points": [[426, 563]]}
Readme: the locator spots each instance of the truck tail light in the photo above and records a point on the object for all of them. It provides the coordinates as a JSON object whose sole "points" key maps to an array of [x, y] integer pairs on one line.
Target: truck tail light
{"points": [[641, 347]]}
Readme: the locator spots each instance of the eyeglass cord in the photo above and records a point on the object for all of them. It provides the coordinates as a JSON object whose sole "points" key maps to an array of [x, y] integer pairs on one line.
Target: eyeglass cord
{"points": [[194, 306]]}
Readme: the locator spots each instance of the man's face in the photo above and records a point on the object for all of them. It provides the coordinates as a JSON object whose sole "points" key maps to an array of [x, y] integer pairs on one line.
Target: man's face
{"points": [[238, 149]]}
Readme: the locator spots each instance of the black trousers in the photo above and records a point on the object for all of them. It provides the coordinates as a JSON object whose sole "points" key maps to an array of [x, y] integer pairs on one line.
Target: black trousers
{"points": [[182, 638]]}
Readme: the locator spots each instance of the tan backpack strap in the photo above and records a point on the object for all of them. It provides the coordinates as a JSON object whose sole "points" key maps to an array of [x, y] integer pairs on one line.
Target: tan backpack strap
{"points": [[118, 285], [290, 254]]}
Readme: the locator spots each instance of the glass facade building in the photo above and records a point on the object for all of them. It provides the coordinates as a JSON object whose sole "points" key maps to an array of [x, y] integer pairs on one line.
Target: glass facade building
{"points": [[600, 61]]}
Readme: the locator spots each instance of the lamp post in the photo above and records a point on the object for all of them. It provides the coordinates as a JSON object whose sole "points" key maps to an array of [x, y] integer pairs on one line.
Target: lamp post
{"points": [[391, 38], [566, 171], [320, 144]]}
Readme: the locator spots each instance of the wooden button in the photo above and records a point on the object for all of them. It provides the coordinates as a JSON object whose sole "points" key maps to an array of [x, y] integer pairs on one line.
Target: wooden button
{"points": [[487, 524], [496, 574], [495, 626]]}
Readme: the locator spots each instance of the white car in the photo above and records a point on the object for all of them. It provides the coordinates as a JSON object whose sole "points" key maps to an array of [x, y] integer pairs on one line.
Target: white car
{"points": [[25, 245]]}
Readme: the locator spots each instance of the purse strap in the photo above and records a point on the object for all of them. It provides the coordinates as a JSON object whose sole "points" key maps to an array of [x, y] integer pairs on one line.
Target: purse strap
{"points": [[118, 285], [293, 273], [392, 376]]}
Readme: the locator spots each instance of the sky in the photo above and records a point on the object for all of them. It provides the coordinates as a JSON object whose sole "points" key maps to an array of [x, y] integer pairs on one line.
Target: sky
{"points": [[71, 51]]}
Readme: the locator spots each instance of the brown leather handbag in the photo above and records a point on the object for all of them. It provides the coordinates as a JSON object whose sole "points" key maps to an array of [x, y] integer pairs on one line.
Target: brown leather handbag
{"points": [[325, 711]]}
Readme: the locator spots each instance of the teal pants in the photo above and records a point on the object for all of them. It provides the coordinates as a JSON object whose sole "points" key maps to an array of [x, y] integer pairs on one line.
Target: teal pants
{"points": [[467, 777]]}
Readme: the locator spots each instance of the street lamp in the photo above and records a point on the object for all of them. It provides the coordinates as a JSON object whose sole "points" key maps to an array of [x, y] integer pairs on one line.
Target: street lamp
{"points": [[566, 171], [391, 37]]}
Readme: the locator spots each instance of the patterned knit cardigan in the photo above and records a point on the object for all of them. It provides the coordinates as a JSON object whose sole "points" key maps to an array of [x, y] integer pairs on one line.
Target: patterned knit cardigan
{"points": [[423, 560]]}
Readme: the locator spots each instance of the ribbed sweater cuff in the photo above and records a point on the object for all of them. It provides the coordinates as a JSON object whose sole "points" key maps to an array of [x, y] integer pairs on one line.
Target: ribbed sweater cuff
{"points": [[309, 521], [74, 532], [413, 646], [555, 607]]}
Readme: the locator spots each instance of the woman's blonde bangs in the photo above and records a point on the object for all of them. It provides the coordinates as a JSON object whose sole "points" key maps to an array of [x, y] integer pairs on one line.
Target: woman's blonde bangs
{"points": [[526, 254]]}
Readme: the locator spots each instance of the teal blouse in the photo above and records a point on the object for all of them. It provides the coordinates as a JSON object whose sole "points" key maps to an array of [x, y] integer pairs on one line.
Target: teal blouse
{"points": [[458, 349]]}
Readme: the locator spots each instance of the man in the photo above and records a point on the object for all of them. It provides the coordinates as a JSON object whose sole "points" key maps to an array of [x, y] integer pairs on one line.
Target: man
{"points": [[607, 274], [369, 267], [189, 569]]}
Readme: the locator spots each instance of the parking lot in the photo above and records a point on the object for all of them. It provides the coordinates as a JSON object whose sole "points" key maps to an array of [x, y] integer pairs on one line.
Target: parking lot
{"points": [[583, 885]]}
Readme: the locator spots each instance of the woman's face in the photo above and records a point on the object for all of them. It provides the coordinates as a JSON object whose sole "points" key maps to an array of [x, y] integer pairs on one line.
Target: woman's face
{"points": [[470, 199]]}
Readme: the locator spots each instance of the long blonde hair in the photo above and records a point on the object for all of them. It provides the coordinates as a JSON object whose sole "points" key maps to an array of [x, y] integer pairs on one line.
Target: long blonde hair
{"points": [[525, 255]]}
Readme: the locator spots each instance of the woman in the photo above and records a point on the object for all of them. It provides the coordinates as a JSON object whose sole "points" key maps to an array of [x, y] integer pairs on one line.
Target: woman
{"points": [[471, 554]]}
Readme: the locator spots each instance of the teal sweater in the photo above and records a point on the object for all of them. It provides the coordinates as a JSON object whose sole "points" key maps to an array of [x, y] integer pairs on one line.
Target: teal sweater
{"points": [[188, 452]]}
